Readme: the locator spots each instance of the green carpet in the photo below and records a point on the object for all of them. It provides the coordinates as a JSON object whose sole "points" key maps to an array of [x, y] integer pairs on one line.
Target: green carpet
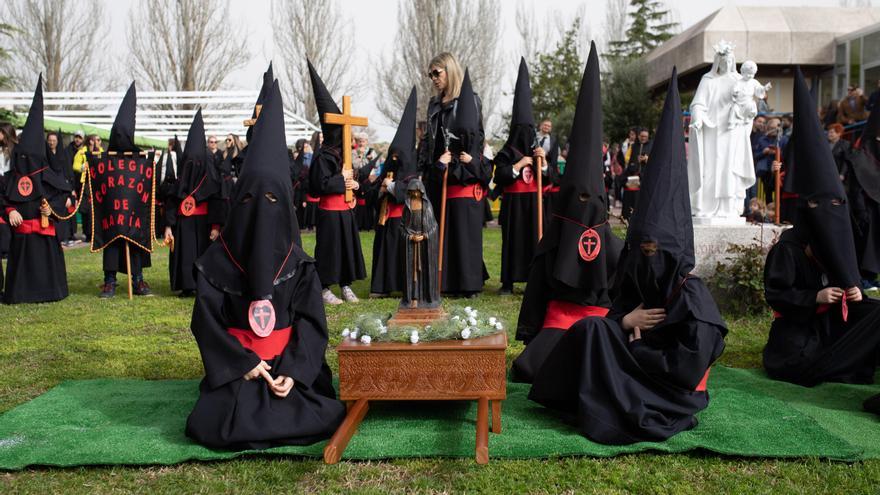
{"points": [[136, 422]]}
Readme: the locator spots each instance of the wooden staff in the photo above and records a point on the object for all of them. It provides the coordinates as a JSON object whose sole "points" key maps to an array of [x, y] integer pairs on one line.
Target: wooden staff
{"points": [[778, 193], [442, 224], [128, 269], [383, 208], [44, 219], [540, 171]]}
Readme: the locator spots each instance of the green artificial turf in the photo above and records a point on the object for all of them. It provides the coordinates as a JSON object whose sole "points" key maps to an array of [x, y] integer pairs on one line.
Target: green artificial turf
{"points": [[100, 422], [83, 338]]}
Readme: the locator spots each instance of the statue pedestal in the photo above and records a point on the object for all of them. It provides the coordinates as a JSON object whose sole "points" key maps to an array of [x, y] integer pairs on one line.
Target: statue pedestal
{"points": [[720, 222], [711, 242]]}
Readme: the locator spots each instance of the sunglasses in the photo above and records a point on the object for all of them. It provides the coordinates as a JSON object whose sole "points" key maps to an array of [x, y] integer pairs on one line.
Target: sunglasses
{"points": [[434, 74], [228, 140], [213, 141]]}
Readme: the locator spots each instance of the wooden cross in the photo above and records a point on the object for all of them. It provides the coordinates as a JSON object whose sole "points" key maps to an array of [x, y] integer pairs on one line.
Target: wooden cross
{"points": [[251, 122], [346, 120]]}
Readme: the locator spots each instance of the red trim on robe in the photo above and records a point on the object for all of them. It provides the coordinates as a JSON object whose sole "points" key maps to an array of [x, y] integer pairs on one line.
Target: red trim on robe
{"points": [[563, 314], [551, 189], [701, 387], [469, 191], [33, 226], [821, 308], [200, 209], [334, 202], [266, 348], [362, 202], [520, 187], [395, 210], [312, 199]]}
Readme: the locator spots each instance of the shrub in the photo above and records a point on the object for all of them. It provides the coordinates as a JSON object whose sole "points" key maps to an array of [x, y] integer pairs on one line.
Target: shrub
{"points": [[738, 285]]}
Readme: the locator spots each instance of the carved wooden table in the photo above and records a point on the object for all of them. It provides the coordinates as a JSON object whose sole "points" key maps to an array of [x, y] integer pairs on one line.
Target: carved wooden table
{"points": [[448, 370]]}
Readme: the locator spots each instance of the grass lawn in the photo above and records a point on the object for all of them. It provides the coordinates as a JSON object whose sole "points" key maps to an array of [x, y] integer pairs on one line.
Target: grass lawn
{"points": [[85, 337]]}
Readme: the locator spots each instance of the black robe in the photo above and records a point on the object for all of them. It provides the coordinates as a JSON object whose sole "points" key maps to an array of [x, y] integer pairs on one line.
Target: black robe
{"points": [[232, 413], [192, 236], [338, 254], [367, 194], [863, 194], [420, 269], [35, 269], [518, 219], [387, 271], [810, 344], [620, 392], [541, 289]]}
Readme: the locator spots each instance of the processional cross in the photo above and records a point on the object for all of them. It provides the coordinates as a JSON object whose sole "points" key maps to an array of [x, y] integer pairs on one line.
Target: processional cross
{"points": [[346, 120]]}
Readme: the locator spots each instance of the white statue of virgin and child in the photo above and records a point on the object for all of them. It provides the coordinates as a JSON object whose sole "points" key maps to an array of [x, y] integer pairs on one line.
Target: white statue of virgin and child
{"points": [[720, 164]]}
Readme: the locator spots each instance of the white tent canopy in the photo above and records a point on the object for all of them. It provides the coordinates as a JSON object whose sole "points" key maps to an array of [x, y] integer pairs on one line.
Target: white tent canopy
{"points": [[159, 115]]}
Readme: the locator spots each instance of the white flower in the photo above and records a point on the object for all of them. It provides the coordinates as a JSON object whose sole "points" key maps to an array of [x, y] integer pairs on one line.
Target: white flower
{"points": [[345, 333], [383, 330], [472, 321], [499, 326], [466, 333], [492, 321], [354, 334], [468, 309], [365, 339], [414, 337], [456, 318]]}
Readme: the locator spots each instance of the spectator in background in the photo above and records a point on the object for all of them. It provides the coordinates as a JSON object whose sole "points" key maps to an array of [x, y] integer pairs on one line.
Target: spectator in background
{"points": [[840, 149], [852, 108], [232, 153], [92, 148], [765, 154], [786, 124], [828, 113], [212, 146], [874, 98], [8, 140], [638, 158], [758, 128]]}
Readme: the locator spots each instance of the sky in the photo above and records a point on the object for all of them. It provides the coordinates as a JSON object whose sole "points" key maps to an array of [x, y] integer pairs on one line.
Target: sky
{"points": [[374, 28]]}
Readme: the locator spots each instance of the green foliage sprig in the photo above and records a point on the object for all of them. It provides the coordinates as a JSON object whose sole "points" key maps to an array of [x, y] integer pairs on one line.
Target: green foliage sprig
{"points": [[461, 324]]}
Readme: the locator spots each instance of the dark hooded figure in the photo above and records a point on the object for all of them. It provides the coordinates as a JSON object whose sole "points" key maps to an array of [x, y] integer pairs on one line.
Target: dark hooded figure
{"points": [[576, 259], [59, 162], [122, 141], [191, 217], [418, 231], [516, 175], [35, 270], [459, 123], [166, 181], [400, 168], [338, 244], [268, 81], [258, 318], [864, 200], [824, 329], [639, 374]]}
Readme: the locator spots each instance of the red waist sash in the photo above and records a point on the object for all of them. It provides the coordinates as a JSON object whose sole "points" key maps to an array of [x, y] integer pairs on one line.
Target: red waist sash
{"points": [[632, 189], [33, 227], [395, 210], [334, 202], [822, 308], [519, 187], [469, 191], [200, 209], [551, 189], [362, 202], [267, 347], [563, 314], [789, 195], [312, 199]]}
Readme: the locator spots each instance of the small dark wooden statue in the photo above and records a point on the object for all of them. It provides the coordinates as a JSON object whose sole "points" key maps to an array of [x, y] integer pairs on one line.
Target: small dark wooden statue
{"points": [[419, 233]]}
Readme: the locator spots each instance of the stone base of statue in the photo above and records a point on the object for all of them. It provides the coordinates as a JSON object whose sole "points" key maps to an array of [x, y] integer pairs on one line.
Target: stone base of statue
{"points": [[720, 221], [416, 317], [711, 242]]}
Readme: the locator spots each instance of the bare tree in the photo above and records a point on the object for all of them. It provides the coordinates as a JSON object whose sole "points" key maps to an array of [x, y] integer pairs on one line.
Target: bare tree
{"points": [[50, 37], [316, 30], [183, 45], [614, 28], [466, 28], [535, 32]]}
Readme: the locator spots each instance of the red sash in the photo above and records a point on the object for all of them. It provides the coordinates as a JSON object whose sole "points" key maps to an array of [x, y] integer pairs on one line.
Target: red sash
{"points": [[701, 387], [563, 314], [312, 199], [33, 227], [822, 308], [632, 189], [395, 210], [519, 187], [334, 202], [469, 191], [200, 209], [362, 202], [551, 189], [268, 347]]}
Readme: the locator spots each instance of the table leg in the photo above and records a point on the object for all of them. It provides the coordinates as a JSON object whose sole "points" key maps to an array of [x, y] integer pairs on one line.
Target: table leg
{"points": [[334, 449], [496, 416], [482, 451]]}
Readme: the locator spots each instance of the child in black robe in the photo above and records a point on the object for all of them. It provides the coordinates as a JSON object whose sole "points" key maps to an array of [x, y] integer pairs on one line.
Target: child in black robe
{"points": [[576, 259], [337, 245], [824, 328], [35, 270], [640, 373], [258, 317]]}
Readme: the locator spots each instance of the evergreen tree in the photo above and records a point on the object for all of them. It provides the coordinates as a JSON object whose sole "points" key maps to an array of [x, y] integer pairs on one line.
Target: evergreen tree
{"points": [[555, 81], [626, 101], [647, 30]]}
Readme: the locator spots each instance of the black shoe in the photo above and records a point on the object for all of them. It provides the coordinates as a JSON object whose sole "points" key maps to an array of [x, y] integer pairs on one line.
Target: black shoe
{"points": [[142, 288], [505, 290], [108, 290], [186, 293]]}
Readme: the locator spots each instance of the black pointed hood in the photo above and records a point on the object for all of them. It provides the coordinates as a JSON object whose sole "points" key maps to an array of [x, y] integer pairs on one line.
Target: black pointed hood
{"points": [[870, 138], [465, 128], [823, 219], [866, 162], [402, 159], [268, 80], [521, 136], [196, 174], [663, 215], [259, 245], [29, 160], [122, 132], [325, 104], [578, 238]]}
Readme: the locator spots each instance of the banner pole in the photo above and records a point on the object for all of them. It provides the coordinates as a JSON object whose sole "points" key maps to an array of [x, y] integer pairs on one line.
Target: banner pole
{"points": [[128, 269]]}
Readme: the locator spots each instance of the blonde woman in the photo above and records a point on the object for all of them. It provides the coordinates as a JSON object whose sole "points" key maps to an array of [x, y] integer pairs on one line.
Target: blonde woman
{"points": [[453, 142]]}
